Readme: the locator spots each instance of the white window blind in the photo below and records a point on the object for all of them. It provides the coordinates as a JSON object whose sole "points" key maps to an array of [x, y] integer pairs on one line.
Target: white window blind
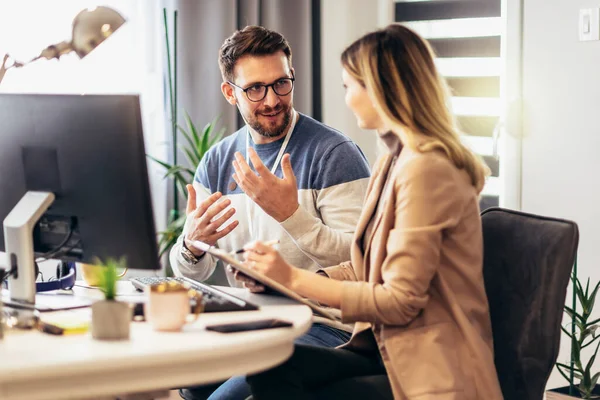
{"points": [[466, 36]]}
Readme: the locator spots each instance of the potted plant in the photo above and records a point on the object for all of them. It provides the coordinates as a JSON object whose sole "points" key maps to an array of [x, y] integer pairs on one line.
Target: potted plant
{"points": [[584, 334], [110, 318], [195, 146]]}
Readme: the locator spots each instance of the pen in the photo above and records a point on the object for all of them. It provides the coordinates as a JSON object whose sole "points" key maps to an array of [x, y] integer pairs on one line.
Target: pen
{"points": [[49, 328], [268, 243]]}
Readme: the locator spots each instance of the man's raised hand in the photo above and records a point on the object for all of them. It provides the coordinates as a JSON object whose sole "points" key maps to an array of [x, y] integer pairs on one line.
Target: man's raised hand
{"points": [[202, 222], [278, 197]]}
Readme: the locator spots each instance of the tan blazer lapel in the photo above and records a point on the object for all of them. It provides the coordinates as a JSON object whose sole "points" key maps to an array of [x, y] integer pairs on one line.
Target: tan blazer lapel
{"points": [[370, 207], [371, 200]]}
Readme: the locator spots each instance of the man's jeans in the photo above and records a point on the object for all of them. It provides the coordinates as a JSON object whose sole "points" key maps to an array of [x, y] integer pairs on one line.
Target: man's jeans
{"points": [[236, 388]]}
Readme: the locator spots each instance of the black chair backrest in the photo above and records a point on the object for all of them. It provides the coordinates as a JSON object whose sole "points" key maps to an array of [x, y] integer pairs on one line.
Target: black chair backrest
{"points": [[527, 266]]}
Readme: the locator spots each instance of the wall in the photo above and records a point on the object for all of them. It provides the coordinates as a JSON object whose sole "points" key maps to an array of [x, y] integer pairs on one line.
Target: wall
{"points": [[561, 86], [343, 21]]}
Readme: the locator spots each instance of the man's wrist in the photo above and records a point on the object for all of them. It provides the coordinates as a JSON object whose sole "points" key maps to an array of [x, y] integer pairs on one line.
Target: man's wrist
{"points": [[287, 216], [195, 251], [188, 256]]}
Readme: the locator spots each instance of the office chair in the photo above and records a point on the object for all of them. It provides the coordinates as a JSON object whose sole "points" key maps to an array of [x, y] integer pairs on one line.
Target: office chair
{"points": [[527, 266]]}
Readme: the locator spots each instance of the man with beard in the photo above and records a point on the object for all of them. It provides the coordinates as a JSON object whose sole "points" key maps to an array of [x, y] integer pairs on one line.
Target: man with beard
{"points": [[282, 176]]}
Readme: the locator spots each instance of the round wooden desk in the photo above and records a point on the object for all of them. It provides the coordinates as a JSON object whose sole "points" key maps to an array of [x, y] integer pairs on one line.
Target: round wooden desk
{"points": [[40, 366]]}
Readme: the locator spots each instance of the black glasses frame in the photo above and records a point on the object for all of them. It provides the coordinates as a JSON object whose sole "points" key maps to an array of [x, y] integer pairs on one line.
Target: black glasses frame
{"points": [[271, 85]]}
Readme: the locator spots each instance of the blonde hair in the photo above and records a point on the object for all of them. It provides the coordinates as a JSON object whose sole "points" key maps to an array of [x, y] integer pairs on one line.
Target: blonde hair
{"points": [[396, 66]]}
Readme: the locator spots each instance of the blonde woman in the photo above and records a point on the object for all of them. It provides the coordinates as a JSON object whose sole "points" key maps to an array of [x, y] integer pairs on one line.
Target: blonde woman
{"points": [[414, 285]]}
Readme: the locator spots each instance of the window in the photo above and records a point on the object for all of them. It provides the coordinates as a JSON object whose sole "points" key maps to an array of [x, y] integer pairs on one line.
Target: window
{"points": [[466, 36], [130, 61]]}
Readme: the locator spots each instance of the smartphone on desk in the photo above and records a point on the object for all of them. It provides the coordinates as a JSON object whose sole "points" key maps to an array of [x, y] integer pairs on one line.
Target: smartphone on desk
{"points": [[249, 326]]}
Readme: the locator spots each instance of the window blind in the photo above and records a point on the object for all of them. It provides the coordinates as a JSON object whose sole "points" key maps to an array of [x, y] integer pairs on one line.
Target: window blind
{"points": [[466, 37]]}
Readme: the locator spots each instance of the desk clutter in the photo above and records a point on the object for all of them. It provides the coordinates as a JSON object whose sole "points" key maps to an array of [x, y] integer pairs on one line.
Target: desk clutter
{"points": [[70, 322], [214, 300], [167, 304]]}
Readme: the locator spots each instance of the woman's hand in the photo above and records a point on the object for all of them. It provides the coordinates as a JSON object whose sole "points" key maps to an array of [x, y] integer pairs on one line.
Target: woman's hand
{"points": [[248, 282], [267, 261]]}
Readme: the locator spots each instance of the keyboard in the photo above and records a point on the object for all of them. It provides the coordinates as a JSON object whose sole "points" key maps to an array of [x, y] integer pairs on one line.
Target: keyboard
{"points": [[214, 300]]}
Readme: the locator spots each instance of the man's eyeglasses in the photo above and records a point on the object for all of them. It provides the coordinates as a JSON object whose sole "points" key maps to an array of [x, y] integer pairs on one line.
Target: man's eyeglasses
{"points": [[257, 92]]}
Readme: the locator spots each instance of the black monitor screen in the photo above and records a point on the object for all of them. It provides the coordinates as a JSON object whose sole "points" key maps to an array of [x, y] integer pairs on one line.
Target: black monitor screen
{"points": [[89, 151]]}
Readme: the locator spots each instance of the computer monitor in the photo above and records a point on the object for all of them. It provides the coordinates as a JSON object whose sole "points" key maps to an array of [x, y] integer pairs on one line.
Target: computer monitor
{"points": [[76, 167]]}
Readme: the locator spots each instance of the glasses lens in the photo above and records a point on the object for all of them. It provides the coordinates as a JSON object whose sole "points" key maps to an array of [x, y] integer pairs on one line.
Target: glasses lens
{"points": [[283, 86], [256, 92]]}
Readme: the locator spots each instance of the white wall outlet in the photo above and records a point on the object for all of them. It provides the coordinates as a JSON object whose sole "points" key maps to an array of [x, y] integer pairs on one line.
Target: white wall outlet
{"points": [[589, 24]]}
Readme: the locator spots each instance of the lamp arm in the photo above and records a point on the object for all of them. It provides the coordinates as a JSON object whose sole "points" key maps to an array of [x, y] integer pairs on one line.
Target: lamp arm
{"points": [[55, 51], [3, 67]]}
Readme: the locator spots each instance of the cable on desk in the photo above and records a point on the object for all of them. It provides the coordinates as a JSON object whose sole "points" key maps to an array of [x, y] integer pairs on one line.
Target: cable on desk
{"points": [[57, 249]]}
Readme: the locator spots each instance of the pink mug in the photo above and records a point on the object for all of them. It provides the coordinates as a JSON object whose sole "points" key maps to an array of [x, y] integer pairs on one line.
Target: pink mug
{"points": [[168, 305]]}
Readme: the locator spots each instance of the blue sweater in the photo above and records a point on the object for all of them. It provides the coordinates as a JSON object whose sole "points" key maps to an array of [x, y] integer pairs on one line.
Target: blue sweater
{"points": [[332, 176]]}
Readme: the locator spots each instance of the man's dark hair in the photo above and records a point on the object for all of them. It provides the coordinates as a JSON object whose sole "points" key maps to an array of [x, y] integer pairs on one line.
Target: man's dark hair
{"points": [[253, 41]]}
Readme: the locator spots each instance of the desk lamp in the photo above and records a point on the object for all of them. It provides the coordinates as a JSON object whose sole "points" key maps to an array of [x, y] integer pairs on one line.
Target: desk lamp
{"points": [[90, 28]]}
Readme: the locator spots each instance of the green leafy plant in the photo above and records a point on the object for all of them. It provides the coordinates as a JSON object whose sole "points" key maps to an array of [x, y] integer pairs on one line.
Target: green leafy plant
{"points": [[197, 143], [583, 334], [110, 276]]}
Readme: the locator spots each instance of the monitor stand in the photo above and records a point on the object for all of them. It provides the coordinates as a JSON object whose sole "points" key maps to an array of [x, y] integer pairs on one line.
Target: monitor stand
{"points": [[18, 240]]}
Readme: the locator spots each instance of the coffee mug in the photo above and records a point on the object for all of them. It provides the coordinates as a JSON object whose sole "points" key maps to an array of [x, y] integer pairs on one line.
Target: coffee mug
{"points": [[168, 305], [92, 274]]}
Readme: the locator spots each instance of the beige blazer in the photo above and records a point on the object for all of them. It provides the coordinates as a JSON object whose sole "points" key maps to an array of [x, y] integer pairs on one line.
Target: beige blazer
{"points": [[419, 283]]}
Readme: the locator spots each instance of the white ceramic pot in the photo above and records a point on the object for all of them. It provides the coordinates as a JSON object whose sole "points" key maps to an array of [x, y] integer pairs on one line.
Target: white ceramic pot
{"points": [[111, 320]]}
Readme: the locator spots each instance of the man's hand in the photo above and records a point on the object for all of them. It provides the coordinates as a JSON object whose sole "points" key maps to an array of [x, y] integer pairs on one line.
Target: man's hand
{"points": [[277, 197], [201, 222]]}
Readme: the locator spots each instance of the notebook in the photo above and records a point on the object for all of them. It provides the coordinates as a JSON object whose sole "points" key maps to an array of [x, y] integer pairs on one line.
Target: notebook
{"points": [[45, 302]]}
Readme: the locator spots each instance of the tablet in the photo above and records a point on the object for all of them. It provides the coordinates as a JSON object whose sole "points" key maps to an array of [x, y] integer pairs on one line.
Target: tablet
{"points": [[230, 259]]}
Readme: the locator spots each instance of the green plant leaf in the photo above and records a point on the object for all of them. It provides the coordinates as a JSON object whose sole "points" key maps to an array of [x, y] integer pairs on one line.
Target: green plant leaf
{"points": [[191, 156], [580, 295], [576, 349], [182, 189], [583, 346], [187, 137], [163, 163], [587, 288], [595, 379], [559, 367], [571, 313], [565, 371], [205, 137], [592, 298], [192, 130], [177, 174], [194, 147], [174, 170], [110, 275], [587, 373], [217, 137]]}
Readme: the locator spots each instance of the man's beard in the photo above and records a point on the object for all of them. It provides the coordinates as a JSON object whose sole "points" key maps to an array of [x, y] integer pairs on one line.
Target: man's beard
{"points": [[267, 130]]}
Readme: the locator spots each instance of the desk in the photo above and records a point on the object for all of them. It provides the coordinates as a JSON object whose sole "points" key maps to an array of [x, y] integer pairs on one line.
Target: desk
{"points": [[40, 366]]}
